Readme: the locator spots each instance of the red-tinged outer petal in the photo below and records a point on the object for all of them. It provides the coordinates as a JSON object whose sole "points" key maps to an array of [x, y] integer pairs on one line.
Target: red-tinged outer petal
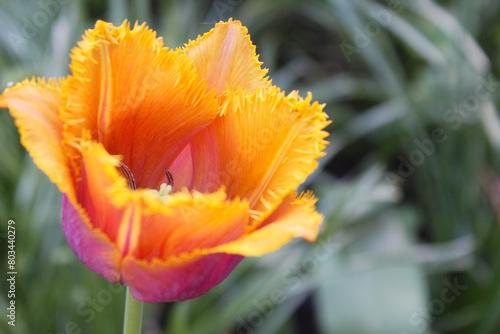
{"points": [[136, 97], [158, 281], [99, 174], [226, 57], [191, 275], [91, 246], [34, 104], [262, 148]]}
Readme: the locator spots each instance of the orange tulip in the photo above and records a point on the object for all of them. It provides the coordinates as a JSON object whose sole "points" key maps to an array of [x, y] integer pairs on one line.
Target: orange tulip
{"points": [[236, 146]]}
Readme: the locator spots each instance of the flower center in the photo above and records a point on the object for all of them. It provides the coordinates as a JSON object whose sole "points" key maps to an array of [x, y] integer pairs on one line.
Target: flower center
{"points": [[165, 189], [163, 193]]}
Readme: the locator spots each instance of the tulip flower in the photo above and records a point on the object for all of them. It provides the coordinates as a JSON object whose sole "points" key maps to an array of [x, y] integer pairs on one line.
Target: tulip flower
{"points": [[174, 164]]}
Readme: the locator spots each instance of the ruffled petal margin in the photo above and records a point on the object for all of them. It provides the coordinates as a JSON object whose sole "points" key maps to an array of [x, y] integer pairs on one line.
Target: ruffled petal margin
{"points": [[226, 58]]}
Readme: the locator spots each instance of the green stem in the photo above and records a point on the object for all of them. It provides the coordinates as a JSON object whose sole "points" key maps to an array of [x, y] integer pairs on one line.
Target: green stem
{"points": [[132, 322]]}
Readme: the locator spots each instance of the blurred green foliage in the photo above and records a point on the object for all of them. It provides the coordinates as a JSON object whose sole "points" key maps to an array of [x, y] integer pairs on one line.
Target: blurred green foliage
{"points": [[411, 239]]}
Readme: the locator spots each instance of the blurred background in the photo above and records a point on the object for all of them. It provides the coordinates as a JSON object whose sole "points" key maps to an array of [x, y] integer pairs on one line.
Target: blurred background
{"points": [[409, 190]]}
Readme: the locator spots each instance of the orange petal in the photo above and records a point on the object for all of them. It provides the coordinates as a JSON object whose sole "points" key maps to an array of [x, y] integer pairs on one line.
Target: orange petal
{"points": [[35, 104], [193, 221], [293, 218], [226, 57], [262, 149], [135, 96]]}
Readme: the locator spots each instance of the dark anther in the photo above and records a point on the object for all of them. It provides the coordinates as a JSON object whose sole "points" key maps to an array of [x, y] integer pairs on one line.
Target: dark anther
{"points": [[170, 178], [128, 175]]}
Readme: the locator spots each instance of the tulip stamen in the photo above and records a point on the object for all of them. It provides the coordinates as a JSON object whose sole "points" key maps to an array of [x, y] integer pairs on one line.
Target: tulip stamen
{"points": [[170, 178], [129, 176], [165, 189], [163, 193]]}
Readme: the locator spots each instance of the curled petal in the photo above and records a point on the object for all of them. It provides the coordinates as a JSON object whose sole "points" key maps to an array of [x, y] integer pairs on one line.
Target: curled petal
{"points": [[191, 275], [100, 174], [34, 104]]}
